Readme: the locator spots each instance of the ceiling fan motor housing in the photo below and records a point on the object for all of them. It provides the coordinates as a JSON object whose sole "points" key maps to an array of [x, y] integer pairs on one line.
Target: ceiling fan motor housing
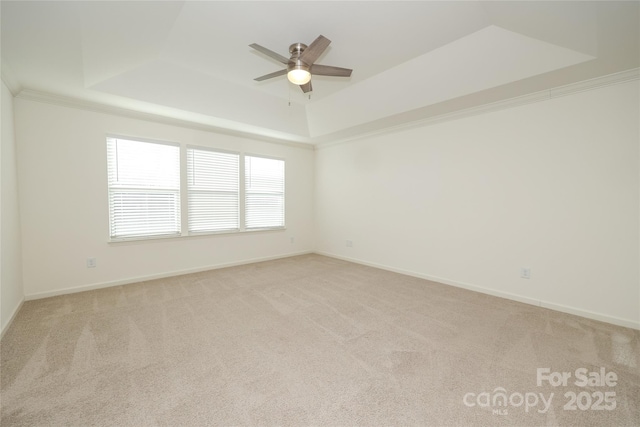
{"points": [[295, 63]]}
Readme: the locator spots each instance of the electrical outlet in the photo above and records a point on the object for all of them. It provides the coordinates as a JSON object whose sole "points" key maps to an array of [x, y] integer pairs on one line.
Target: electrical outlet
{"points": [[91, 263], [525, 272], [349, 243], [293, 239]]}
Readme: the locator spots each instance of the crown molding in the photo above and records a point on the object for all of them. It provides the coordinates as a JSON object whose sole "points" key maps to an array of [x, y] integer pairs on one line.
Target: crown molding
{"points": [[441, 118], [64, 101], [570, 89], [9, 79], [608, 80], [306, 142]]}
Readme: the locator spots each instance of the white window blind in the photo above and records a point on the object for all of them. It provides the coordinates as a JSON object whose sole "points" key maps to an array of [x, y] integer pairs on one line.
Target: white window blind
{"points": [[213, 181], [144, 188], [264, 192]]}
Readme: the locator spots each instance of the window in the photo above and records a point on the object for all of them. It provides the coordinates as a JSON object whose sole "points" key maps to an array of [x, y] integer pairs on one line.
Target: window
{"points": [[213, 181], [144, 188], [264, 192], [222, 191]]}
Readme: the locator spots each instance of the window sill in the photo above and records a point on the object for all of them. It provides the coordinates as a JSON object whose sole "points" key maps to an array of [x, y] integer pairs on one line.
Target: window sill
{"points": [[193, 235]]}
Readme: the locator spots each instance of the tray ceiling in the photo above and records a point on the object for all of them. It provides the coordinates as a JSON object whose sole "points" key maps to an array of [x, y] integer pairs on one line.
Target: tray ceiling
{"points": [[192, 61]]}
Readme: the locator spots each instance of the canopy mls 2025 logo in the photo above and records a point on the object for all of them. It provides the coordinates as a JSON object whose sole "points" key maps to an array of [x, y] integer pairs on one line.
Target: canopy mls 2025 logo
{"points": [[603, 399]]}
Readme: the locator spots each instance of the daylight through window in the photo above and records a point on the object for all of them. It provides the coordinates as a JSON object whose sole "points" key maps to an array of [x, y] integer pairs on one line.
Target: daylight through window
{"points": [[225, 191], [213, 183], [144, 188]]}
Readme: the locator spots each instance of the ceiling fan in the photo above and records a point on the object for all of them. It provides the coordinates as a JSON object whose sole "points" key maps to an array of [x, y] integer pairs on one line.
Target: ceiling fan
{"points": [[301, 65]]}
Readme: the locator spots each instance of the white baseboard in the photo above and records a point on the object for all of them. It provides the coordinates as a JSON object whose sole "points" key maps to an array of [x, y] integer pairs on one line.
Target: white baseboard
{"points": [[591, 315], [627, 323], [514, 297], [93, 286], [13, 316]]}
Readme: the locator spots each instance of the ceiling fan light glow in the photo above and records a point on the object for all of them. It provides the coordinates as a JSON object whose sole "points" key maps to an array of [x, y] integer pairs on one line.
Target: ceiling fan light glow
{"points": [[299, 76]]}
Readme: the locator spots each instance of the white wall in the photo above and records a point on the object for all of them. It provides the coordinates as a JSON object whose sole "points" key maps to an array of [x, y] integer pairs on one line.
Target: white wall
{"points": [[553, 186], [11, 289], [63, 196]]}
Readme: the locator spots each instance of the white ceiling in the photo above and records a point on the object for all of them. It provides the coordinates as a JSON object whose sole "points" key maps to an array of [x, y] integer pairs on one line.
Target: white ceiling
{"points": [[191, 60]]}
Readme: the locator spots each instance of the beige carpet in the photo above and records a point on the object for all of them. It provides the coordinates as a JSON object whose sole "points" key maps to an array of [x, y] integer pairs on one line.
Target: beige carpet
{"points": [[308, 340]]}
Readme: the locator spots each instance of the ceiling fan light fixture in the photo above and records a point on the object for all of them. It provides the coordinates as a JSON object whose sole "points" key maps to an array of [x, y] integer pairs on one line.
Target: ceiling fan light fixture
{"points": [[299, 76]]}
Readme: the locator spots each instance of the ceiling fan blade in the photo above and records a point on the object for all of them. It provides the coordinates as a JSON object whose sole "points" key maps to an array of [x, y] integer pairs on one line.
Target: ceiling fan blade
{"points": [[270, 53], [271, 75], [314, 50], [328, 70], [306, 87]]}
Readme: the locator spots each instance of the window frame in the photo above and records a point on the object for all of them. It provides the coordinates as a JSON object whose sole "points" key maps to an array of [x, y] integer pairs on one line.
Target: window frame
{"points": [[239, 193], [179, 191], [284, 193], [183, 193]]}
